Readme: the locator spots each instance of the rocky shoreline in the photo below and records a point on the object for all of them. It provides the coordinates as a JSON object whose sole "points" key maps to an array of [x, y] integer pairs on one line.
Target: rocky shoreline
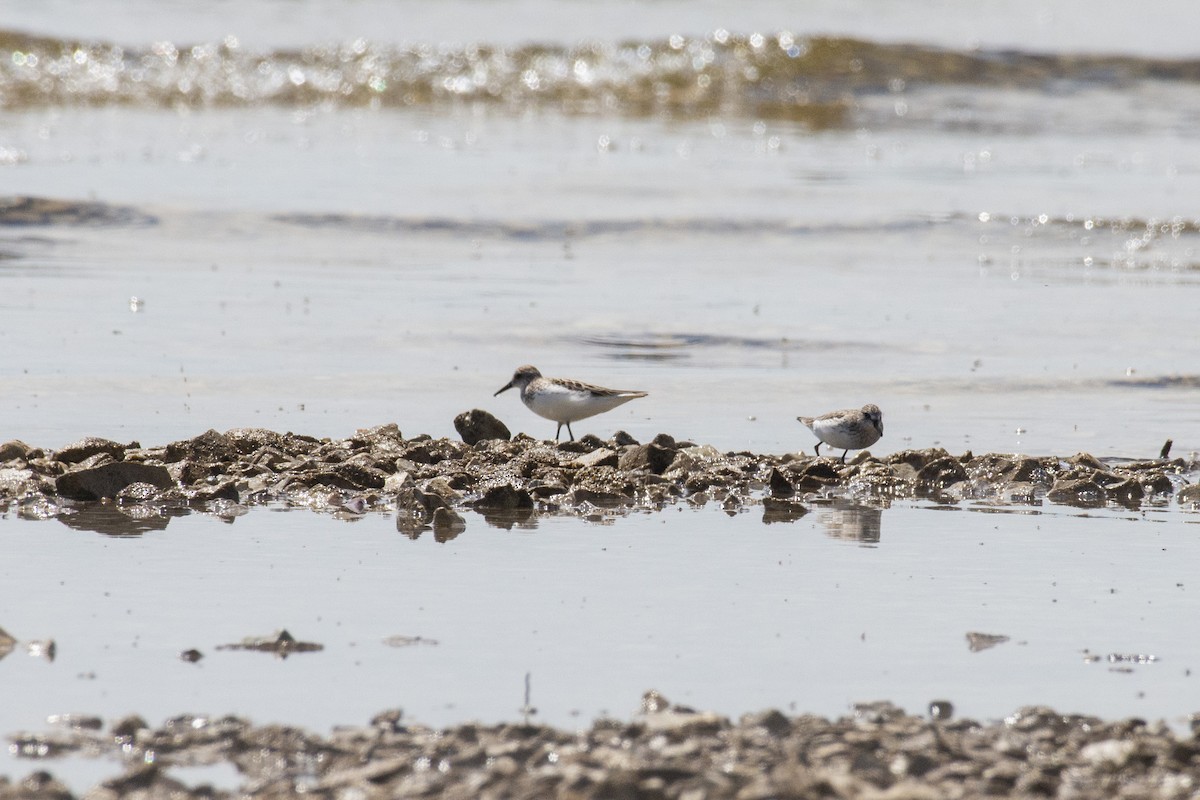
{"points": [[666, 751], [118, 488]]}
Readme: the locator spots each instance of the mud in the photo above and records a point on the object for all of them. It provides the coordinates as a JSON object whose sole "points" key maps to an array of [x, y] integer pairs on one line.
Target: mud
{"points": [[128, 489], [664, 752]]}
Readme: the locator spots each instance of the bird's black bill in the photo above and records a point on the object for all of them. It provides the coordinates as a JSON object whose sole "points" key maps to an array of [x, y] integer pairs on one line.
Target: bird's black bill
{"points": [[504, 388]]}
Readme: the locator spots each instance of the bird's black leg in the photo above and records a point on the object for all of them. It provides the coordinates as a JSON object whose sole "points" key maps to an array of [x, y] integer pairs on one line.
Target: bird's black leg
{"points": [[569, 433], [558, 430], [844, 456], [817, 449]]}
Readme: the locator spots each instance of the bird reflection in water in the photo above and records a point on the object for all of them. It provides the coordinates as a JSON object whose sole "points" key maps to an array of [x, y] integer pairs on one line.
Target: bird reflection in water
{"points": [[851, 521]]}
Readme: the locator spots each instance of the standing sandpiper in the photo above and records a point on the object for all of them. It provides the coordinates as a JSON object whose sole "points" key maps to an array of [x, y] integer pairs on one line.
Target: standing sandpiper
{"points": [[565, 401], [851, 429]]}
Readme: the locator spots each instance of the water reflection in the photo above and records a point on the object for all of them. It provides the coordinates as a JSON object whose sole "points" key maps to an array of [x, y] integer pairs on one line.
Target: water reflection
{"points": [[851, 521], [115, 521]]}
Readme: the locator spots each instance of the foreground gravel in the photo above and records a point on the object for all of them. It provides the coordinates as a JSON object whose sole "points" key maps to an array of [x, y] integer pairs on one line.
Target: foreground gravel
{"points": [[666, 752]]}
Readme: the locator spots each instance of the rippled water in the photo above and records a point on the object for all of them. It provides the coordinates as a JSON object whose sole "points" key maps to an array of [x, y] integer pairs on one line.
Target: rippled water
{"points": [[335, 216]]}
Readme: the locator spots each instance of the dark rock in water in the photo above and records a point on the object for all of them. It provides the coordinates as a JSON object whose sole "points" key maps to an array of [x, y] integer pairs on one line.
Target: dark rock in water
{"points": [[380, 437], [665, 440], [780, 485], [432, 451], [1189, 495], [88, 447], [348, 475], [16, 449], [107, 481], [281, 643], [209, 447], [189, 472], [1156, 483], [597, 458], [817, 474], [915, 458], [775, 722], [139, 492], [775, 510], [225, 490], [477, 425], [1086, 460], [653, 457], [623, 439], [654, 702], [7, 643], [31, 210], [1127, 492], [983, 641], [940, 473], [941, 709], [1081, 492], [447, 524], [127, 727], [505, 497], [131, 520], [39, 784], [250, 440], [1032, 470], [607, 487]]}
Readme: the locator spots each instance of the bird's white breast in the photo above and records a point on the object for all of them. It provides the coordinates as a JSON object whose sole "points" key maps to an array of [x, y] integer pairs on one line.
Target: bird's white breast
{"points": [[562, 404]]}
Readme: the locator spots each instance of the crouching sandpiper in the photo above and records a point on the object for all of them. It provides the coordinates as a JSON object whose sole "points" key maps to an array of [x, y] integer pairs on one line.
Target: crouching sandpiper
{"points": [[850, 429], [565, 401]]}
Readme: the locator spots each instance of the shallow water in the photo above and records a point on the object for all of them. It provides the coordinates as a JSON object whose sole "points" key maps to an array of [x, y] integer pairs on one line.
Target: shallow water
{"points": [[847, 604], [1005, 262], [737, 284]]}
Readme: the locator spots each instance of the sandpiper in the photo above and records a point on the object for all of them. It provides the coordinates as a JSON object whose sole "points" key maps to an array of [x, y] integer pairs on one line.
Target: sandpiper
{"points": [[562, 400], [850, 429]]}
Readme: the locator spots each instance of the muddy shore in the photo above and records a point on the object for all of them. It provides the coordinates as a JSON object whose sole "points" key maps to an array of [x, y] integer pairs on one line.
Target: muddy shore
{"points": [[115, 487]]}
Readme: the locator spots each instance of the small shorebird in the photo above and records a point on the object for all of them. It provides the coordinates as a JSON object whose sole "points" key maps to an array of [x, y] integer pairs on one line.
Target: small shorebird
{"points": [[562, 400], [851, 429]]}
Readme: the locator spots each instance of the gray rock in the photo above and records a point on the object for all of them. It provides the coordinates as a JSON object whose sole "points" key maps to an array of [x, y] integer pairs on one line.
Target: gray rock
{"points": [[623, 439], [775, 510], [208, 448], [940, 473], [505, 497], [780, 485], [477, 425], [137, 493], [665, 440], [597, 458], [108, 480], [249, 440], [1081, 492], [225, 490], [1189, 495], [11, 451], [654, 457], [447, 524], [88, 447]]}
